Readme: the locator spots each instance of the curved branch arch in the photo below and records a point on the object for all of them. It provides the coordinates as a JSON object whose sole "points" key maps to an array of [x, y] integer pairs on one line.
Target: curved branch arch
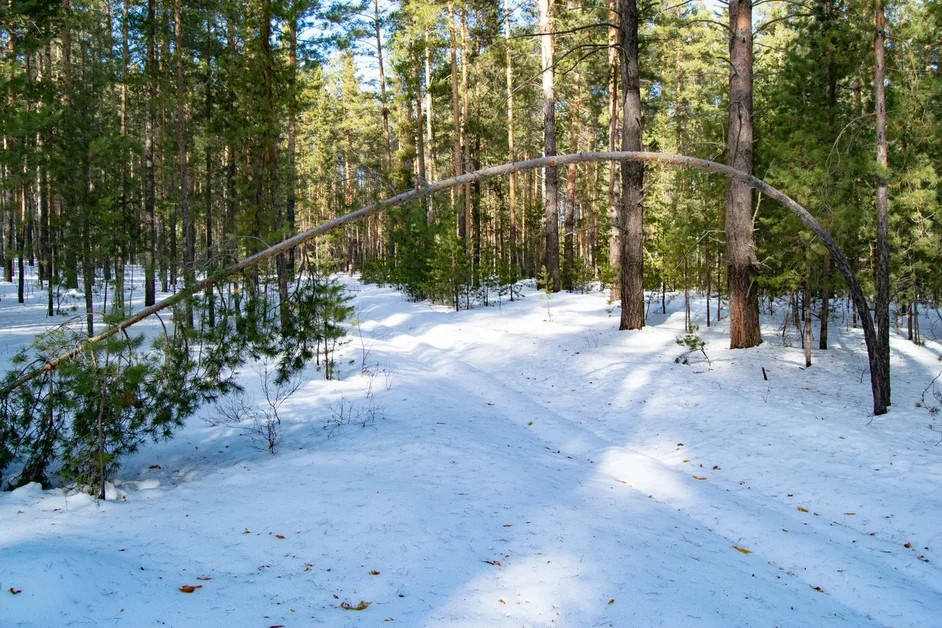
{"points": [[879, 375]]}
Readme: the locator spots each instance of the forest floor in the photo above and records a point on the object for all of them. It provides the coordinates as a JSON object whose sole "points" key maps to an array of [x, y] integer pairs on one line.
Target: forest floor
{"points": [[520, 471]]}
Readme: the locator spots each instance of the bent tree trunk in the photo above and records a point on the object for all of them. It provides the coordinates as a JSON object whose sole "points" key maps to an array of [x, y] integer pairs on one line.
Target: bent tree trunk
{"points": [[879, 376]]}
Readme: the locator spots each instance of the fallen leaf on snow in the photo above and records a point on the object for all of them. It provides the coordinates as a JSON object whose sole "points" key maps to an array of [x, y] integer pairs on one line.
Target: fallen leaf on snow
{"points": [[154, 466], [742, 550], [496, 563], [204, 579], [818, 589], [350, 607], [800, 509], [188, 588], [15, 591], [246, 531], [696, 477], [907, 545], [279, 536], [502, 601], [374, 573], [611, 601]]}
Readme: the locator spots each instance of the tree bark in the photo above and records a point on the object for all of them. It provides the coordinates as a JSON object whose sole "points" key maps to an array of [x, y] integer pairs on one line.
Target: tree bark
{"points": [[569, 222], [825, 307], [740, 244], [632, 175], [614, 217], [382, 84], [189, 248], [150, 278], [550, 211], [511, 156], [806, 312], [882, 270]]}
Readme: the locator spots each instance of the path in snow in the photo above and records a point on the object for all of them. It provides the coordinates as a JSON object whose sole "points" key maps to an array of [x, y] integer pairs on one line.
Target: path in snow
{"points": [[565, 451]]}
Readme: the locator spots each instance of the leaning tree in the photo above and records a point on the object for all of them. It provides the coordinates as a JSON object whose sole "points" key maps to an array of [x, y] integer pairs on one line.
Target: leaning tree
{"points": [[879, 369]]}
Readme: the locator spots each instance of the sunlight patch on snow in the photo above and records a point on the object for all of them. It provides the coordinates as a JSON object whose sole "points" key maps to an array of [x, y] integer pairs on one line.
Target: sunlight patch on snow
{"points": [[526, 591], [645, 475]]}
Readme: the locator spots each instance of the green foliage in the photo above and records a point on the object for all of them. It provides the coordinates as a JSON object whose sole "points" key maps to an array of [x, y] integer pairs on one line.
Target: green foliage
{"points": [[449, 270], [693, 343], [93, 410], [84, 417]]}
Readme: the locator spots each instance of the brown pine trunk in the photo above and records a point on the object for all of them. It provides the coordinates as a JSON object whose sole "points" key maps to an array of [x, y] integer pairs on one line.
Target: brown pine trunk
{"points": [[455, 116], [709, 277], [291, 178], [614, 216], [569, 223], [150, 188], [825, 306], [429, 116], [510, 143], [188, 227], [806, 311], [740, 244], [632, 175], [882, 305], [550, 211], [382, 84], [466, 191]]}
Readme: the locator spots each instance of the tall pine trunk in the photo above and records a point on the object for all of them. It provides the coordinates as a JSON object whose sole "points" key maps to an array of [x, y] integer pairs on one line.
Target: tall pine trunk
{"points": [[632, 175], [550, 212], [740, 244], [614, 215], [188, 227], [510, 143], [150, 245], [882, 270]]}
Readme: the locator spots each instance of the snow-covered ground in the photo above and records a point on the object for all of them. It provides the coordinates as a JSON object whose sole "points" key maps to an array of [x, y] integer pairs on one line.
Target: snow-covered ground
{"points": [[522, 472]]}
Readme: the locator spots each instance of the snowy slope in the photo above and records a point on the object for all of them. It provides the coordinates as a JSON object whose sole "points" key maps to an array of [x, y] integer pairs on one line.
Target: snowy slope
{"points": [[525, 472]]}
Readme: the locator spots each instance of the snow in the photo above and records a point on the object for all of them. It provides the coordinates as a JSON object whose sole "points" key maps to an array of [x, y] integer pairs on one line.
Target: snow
{"points": [[521, 471]]}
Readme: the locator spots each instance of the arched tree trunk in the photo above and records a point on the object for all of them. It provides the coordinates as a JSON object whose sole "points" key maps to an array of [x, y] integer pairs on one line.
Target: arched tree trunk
{"points": [[879, 378]]}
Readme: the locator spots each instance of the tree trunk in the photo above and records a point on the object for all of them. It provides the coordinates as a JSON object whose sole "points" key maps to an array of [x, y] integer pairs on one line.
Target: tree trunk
{"points": [[569, 222], [291, 179], [806, 311], [632, 175], [550, 212], [825, 307], [150, 279], [839, 259], [189, 252], [614, 217], [455, 116], [466, 191], [740, 244], [882, 305], [510, 144], [382, 83]]}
